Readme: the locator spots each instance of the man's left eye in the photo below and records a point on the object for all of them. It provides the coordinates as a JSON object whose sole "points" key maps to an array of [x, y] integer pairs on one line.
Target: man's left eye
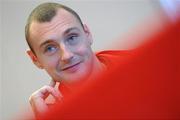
{"points": [[72, 39]]}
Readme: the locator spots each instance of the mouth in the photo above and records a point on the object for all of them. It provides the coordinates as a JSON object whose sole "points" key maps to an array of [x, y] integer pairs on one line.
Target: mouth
{"points": [[71, 68]]}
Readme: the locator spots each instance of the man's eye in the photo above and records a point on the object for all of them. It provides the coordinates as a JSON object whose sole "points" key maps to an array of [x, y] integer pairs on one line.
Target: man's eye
{"points": [[50, 49], [72, 39]]}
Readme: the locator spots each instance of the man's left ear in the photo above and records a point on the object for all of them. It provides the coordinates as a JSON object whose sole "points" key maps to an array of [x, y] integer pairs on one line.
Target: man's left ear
{"points": [[88, 34]]}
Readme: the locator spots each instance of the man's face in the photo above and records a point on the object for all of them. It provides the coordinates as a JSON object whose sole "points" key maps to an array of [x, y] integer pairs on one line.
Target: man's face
{"points": [[62, 47]]}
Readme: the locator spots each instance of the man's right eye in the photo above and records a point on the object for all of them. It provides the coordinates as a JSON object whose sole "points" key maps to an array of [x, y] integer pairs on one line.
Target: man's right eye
{"points": [[50, 49]]}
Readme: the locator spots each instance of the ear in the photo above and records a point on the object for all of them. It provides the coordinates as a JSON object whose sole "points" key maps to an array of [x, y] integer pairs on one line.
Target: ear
{"points": [[88, 34], [34, 59]]}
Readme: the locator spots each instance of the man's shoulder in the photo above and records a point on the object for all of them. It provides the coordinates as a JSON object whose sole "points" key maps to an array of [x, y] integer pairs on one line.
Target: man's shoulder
{"points": [[113, 53], [111, 57]]}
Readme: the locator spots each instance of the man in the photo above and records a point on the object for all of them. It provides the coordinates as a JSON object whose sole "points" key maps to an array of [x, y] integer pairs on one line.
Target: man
{"points": [[61, 44], [141, 87]]}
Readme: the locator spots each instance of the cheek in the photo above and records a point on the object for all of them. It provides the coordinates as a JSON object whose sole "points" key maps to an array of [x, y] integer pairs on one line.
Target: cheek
{"points": [[86, 55], [83, 51], [50, 63]]}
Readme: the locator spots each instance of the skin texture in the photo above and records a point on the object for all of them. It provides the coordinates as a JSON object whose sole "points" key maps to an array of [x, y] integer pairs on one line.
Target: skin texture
{"points": [[63, 48]]}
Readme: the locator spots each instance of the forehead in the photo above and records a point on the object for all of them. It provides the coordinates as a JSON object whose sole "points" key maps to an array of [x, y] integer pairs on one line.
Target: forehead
{"points": [[60, 22]]}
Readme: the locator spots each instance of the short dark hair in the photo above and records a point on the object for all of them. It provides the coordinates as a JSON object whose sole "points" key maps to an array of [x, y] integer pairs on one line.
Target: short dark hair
{"points": [[44, 13]]}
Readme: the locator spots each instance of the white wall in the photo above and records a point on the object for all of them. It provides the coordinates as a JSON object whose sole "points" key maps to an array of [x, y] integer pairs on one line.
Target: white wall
{"points": [[0, 64], [107, 20]]}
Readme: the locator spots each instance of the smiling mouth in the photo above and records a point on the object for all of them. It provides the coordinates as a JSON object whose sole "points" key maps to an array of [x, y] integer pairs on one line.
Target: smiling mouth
{"points": [[70, 67]]}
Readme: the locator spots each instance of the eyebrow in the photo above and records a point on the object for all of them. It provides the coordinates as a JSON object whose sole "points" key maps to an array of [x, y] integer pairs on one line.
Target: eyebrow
{"points": [[65, 33], [46, 42], [71, 29]]}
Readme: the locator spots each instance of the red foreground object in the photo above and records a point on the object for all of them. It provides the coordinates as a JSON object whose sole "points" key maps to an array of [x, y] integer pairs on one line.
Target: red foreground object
{"points": [[145, 84]]}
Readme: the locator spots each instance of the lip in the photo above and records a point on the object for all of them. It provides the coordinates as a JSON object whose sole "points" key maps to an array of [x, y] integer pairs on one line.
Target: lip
{"points": [[71, 67]]}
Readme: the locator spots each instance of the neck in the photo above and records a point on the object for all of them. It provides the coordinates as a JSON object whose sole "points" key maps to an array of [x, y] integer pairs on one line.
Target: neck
{"points": [[98, 67]]}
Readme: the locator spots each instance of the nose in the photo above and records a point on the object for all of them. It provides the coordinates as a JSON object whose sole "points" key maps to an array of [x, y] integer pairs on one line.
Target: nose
{"points": [[66, 54]]}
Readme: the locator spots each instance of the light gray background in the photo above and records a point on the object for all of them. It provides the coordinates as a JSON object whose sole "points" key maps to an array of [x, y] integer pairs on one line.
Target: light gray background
{"points": [[107, 20]]}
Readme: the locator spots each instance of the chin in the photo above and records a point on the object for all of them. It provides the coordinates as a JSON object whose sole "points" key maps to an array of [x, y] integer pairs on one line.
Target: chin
{"points": [[74, 79]]}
